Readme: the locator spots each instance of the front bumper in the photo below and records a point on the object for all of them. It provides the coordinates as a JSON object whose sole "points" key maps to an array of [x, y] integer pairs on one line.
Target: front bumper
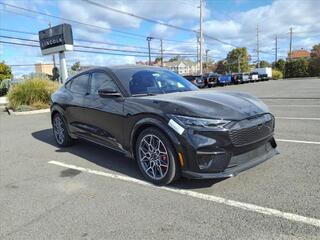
{"points": [[225, 152], [239, 163]]}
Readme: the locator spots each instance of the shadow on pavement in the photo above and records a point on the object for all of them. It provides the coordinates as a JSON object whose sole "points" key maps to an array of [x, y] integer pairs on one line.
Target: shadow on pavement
{"points": [[114, 160]]}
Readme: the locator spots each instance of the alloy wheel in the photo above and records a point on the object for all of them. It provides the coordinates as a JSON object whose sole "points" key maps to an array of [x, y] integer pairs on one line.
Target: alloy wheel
{"points": [[154, 157], [58, 129]]}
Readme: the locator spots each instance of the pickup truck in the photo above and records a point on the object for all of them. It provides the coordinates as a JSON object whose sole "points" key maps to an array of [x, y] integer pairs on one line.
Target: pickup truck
{"points": [[224, 80], [197, 80], [254, 77]]}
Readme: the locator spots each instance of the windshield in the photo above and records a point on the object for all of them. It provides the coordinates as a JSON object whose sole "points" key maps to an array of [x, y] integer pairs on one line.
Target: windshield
{"points": [[156, 81]]}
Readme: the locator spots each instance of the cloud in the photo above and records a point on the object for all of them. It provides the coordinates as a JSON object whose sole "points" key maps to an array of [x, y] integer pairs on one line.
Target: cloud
{"points": [[274, 19]]}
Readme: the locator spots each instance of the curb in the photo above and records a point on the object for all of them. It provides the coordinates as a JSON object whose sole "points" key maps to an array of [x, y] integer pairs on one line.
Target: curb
{"points": [[29, 112]]}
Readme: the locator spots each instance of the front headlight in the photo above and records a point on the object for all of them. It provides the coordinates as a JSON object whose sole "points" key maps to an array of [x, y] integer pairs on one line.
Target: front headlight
{"points": [[199, 122]]}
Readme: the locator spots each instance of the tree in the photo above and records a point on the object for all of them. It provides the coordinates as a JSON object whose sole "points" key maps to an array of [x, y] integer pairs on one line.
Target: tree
{"points": [[157, 60], [55, 74], [264, 64], [280, 65], [297, 68], [175, 58], [221, 67], [5, 71], [76, 66], [315, 52], [314, 64], [240, 54]]}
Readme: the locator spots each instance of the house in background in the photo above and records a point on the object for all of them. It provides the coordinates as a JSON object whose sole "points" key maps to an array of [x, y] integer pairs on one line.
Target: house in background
{"points": [[45, 68], [296, 54], [182, 67]]}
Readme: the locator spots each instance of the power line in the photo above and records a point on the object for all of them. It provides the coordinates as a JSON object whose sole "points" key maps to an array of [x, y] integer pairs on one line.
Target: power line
{"points": [[80, 40], [101, 48], [82, 23], [157, 22], [139, 17], [71, 20]]}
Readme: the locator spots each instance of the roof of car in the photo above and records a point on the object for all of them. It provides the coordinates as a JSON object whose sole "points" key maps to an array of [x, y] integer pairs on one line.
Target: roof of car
{"points": [[132, 66], [117, 68]]}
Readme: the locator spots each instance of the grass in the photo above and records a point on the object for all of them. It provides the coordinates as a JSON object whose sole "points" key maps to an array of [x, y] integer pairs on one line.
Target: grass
{"points": [[31, 95]]}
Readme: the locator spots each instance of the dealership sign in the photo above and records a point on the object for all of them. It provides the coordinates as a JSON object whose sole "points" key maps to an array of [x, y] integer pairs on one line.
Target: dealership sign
{"points": [[56, 39]]}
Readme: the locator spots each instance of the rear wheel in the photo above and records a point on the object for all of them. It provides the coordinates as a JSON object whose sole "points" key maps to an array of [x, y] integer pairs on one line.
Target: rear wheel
{"points": [[60, 131], [156, 157]]}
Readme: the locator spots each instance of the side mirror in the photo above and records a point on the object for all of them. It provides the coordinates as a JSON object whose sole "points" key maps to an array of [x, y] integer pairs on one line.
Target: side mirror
{"points": [[108, 93]]}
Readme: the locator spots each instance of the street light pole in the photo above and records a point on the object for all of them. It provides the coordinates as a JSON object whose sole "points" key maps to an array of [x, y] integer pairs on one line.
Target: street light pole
{"points": [[201, 36], [290, 45], [149, 39], [161, 49], [207, 50], [53, 56]]}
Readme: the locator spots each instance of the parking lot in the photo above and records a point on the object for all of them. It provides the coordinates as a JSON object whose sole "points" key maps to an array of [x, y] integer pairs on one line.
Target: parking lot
{"points": [[90, 192]]}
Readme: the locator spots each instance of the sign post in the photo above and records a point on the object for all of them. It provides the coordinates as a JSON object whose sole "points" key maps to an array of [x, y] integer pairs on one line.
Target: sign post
{"points": [[57, 39]]}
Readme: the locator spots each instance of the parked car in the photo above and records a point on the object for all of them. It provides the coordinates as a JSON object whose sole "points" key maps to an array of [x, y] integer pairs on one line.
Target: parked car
{"points": [[254, 77], [263, 77], [236, 78], [162, 121], [197, 80], [212, 80], [224, 80], [245, 78]]}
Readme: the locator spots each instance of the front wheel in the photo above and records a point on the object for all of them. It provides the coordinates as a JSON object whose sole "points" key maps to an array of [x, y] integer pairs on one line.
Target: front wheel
{"points": [[60, 131], [156, 157]]}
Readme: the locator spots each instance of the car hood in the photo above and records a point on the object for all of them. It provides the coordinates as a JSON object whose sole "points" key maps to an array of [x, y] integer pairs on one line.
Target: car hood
{"points": [[210, 104]]}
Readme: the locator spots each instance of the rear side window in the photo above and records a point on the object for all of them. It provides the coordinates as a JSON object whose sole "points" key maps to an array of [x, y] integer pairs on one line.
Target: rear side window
{"points": [[80, 84], [100, 80]]}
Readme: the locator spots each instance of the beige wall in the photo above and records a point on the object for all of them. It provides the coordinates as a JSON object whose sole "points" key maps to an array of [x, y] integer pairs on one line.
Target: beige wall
{"points": [[44, 68]]}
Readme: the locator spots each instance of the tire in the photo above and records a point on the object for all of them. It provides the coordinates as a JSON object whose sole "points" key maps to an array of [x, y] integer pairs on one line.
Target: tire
{"points": [[60, 131], [151, 146]]}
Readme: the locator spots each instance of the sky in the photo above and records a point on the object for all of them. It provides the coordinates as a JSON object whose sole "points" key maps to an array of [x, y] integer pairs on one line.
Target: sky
{"points": [[234, 22]]}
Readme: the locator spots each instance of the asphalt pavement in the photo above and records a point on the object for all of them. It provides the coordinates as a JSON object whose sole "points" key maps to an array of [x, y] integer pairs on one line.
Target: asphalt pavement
{"points": [[90, 192]]}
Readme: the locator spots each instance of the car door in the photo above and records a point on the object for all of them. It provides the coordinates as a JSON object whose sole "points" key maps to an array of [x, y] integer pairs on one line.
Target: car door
{"points": [[78, 88], [104, 114]]}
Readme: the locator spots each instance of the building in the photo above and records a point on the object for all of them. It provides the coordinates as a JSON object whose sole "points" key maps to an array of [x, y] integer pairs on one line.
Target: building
{"points": [[182, 67], [45, 68], [296, 54]]}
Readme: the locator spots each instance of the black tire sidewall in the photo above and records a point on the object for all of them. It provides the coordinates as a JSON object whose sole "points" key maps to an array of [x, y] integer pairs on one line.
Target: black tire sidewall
{"points": [[174, 170], [67, 139]]}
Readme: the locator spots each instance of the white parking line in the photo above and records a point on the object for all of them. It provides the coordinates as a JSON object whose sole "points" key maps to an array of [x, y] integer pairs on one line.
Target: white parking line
{"points": [[297, 141], [299, 118], [288, 105], [232, 203]]}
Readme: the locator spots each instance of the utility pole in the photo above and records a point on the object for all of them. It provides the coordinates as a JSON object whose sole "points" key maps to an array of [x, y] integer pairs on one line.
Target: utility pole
{"points": [[53, 56], [201, 36], [207, 50], [161, 52], [197, 55], [239, 69], [290, 46], [149, 40], [258, 50], [276, 50]]}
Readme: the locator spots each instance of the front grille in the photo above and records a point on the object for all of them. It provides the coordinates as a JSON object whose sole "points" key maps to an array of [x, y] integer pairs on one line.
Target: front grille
{"points": [[252, 130]]}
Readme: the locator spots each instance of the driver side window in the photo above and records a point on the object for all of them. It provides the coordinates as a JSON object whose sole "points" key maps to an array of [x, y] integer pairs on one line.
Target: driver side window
{"points": [[100, 80]]}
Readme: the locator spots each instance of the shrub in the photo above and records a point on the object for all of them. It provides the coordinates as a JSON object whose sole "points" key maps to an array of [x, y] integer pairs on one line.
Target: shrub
{"points": [[276, 74], [34, 93], [4, 86], [297, 68]]}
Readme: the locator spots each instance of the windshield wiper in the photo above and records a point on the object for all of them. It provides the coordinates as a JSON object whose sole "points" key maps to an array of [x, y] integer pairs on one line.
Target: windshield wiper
{"points": [[143, 94]]}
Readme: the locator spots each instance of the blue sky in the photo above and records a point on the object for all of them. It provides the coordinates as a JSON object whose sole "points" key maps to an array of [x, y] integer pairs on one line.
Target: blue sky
{"points": [[232, 21]]}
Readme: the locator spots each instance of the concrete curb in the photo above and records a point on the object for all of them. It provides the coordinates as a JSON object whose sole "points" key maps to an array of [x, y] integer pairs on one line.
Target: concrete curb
{"points": [[29, 112]]}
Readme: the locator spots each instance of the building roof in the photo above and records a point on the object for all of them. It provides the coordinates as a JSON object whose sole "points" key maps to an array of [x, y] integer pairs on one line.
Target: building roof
{"points": [[176, 63], [299, 54]]}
